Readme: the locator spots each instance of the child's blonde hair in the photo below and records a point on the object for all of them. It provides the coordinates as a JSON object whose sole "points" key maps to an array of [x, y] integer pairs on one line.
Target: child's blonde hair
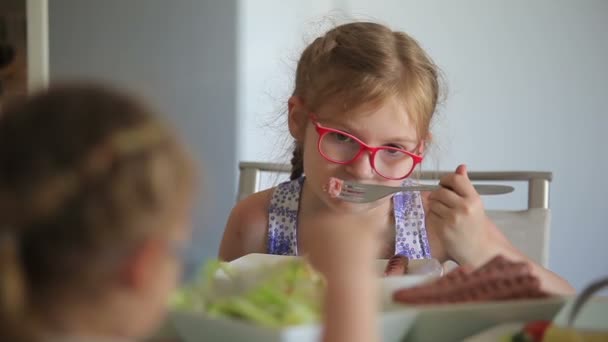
{"points": [[85, 173], [362, 63]]}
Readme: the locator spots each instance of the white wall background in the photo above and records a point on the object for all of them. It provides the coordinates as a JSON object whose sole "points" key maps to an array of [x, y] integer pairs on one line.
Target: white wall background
{"points": [[527, 88], [181, 56]]}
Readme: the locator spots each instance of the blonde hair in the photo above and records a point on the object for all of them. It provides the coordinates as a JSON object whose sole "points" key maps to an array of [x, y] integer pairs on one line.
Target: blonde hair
{"points": [[84, 171], [362, 63]]}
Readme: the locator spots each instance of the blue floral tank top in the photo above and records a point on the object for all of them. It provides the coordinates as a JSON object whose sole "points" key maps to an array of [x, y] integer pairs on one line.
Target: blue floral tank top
{"points": [[410, 229]]}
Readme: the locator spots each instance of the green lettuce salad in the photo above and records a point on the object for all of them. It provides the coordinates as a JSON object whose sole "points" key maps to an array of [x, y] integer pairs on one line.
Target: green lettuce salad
{"points": [[285, 294]]}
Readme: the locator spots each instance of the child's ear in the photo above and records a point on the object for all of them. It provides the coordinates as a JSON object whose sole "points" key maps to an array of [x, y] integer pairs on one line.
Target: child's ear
{"points": [[423, 143], [297, 117], [140, 267]]}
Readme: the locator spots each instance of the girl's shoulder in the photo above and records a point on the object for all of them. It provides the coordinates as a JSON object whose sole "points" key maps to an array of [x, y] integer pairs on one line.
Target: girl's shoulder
{"points": [[255, 203], [255, 207], [247, 226]]}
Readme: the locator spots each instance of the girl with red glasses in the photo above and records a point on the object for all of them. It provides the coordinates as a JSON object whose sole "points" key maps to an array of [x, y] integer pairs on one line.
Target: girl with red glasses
{"points": [[361, 109]]}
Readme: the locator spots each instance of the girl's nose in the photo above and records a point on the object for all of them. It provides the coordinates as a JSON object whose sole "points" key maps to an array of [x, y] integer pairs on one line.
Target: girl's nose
{"points": [[361, 167]]}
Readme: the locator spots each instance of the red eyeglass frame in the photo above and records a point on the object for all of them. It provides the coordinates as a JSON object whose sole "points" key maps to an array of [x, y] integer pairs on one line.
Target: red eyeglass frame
{"points": [[322, 131]]}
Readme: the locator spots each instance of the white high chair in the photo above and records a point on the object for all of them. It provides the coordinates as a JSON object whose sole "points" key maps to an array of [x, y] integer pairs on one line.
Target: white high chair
{"points": [[527, 229]]}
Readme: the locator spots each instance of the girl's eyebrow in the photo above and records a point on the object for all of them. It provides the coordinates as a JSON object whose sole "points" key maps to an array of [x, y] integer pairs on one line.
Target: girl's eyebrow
{"points": [[351, 130], [403, 140], [346, 128], [339, 126]]}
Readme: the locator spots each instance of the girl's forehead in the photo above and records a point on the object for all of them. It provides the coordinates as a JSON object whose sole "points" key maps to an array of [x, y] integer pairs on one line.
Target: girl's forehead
{"points": [[341, 111], [383, 118]]}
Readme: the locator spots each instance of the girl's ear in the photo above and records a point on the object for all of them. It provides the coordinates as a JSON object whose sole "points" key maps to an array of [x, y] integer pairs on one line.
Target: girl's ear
{"points": [[422, 145], [297, 118], [139, 269]]}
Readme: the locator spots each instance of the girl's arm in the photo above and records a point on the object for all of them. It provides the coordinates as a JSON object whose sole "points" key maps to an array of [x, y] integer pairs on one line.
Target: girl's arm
{"points": [[457, 217], [247, 228], [351, 304], [345, 254], [550, 281]]}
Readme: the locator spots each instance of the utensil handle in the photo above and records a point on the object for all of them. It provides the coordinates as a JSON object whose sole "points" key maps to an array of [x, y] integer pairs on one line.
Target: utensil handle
{"points": [[482, 189]]}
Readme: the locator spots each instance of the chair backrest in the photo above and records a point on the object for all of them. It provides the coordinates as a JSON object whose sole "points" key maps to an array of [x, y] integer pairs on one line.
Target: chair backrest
{"points": [[527, 229]]}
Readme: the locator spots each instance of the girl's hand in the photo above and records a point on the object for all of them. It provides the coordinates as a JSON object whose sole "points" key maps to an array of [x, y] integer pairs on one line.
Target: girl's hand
{"points": [[343, 246], [458, 216]]}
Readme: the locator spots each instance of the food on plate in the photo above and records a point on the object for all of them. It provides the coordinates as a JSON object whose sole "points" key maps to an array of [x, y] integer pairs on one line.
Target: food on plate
{"points": [[555, 333], [546, 331], [334, 187], [561, 332], [284, 294], [498, 279], [396, 265], [531, 332]]}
